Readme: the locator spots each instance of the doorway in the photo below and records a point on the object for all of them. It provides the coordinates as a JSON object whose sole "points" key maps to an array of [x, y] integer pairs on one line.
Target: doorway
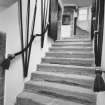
{"points": [[67, 22]]}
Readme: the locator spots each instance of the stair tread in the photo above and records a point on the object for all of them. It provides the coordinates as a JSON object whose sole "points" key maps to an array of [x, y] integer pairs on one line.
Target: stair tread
{"points": [[74, 42], [73, 66], [69, 61], [61, 82], [45, 100], [58, 86], [70, 52], [67, 69], [75, 76], [73, 39], [69, 42], [77, 47], [82, 59]]}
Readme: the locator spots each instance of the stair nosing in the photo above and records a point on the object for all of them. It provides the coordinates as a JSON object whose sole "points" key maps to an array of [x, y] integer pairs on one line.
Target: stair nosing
{"points": [[80, 93], [82, 59], [74, 66], [65, 75], [47, 100], [61, 87]]}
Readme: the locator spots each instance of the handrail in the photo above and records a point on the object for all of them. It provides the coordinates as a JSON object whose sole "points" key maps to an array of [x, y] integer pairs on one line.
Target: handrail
{"points": [[27, 49], [6, 63]]}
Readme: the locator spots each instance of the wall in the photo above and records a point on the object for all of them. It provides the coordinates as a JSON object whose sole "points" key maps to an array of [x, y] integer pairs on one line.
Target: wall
{"points": [[65, 31], [85, 23], [14, 81]]}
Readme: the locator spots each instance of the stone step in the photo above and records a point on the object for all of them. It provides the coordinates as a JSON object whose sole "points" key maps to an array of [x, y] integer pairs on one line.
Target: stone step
{"points": [[62, 90], [78, 37], [74, 40], [71, 79], [71, 44], [75, 46], [70, 54], [70, 48], [67, 69], [69, 61], [27, 98]]}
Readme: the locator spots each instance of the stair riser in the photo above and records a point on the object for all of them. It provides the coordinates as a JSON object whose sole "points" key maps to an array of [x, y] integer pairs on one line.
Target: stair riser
{"points": [[78, 37], [23, 101], [83, 43], [69, 62], [63, 45], [64, 75], [66, 55], [65, 93], [65, 80], [74, 40], [68, 70], [72, 49], [38, 99]]}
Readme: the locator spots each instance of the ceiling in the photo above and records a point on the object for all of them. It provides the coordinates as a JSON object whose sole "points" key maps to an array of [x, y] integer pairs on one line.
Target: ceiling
{"points": [[80, 3], [6, 3]]}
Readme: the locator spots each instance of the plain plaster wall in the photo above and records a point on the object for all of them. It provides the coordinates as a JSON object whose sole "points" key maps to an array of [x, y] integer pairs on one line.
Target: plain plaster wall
{"points": [[65, 31], [85, 24], [14, 81]]}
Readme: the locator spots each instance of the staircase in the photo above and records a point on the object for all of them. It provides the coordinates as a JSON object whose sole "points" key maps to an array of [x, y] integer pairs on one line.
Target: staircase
{"points": [[64, 77]]}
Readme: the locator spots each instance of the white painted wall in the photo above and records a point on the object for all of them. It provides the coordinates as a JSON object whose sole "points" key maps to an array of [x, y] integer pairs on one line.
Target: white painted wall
{"points": [[84, 25], [65, 31], [85, 22], [14, 81]]}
